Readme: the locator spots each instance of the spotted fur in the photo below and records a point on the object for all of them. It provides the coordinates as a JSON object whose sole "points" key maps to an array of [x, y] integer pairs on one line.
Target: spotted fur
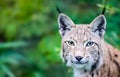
{"points": [[84, 48]]}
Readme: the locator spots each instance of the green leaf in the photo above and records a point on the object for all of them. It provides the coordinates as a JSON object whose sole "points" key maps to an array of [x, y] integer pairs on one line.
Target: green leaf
{"points": [[13, 44], [6, 71]]}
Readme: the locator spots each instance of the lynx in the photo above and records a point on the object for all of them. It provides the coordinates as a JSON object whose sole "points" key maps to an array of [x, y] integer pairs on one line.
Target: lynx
{"points": [[84, 48]]}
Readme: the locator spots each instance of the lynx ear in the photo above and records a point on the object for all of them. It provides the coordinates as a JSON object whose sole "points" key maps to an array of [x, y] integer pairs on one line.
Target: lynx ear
{"points": [[65, 24], [99, 25]]}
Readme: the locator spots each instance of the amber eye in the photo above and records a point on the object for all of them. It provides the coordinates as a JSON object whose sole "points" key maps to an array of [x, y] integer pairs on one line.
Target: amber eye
{"points": [[71, 43], [90, 43]]}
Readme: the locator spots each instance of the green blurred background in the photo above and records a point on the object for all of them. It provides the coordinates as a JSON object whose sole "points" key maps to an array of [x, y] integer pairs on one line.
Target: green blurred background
{"points": [[29, 37]]}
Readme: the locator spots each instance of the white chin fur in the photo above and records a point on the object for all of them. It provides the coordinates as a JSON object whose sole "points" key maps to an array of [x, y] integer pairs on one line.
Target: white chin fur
{"points": [[79, 66]]}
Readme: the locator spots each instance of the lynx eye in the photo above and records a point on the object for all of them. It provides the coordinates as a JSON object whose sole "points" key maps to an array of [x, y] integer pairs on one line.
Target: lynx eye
{"points": [[70, 43], [90, 43]]}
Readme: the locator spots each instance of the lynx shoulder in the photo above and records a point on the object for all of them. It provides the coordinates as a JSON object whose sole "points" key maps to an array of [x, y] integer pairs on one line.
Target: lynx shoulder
{"points": [[84, 48]]}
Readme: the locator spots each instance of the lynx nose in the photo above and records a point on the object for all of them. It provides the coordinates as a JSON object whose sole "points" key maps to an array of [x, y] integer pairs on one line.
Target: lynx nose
{"points": [[78, 58]]}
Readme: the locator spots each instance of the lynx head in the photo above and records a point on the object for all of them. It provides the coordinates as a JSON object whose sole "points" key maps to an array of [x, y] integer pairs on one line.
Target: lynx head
{"points": [[81, 43]]}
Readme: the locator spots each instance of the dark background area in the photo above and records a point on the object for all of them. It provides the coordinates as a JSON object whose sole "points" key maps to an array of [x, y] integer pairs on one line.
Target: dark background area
{"points": [[29, 37]]}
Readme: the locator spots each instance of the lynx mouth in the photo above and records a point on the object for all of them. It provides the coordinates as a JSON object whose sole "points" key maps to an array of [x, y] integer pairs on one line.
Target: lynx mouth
{"points": [[80, 62]]}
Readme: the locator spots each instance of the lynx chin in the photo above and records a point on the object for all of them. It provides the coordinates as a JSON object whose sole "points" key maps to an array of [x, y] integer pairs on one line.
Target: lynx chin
{"points": [[84, 48]]}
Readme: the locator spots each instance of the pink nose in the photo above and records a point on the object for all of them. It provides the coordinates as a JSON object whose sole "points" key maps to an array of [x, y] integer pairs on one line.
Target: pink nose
{"points": [[78, 58]]}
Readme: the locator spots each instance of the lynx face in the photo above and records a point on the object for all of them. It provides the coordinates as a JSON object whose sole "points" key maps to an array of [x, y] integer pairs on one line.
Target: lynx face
{"points": [[81, 43]]}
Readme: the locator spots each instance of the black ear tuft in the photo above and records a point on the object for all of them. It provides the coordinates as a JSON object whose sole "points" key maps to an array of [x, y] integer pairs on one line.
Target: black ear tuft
{"points": [[103, 12], [59, 11]]}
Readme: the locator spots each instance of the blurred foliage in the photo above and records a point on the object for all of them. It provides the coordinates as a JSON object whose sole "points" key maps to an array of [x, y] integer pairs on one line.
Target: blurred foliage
{"points": [[30, 41]]}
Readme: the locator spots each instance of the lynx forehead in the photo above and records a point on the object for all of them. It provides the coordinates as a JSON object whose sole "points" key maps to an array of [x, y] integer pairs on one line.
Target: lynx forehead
{"points": [[84, 48]]}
